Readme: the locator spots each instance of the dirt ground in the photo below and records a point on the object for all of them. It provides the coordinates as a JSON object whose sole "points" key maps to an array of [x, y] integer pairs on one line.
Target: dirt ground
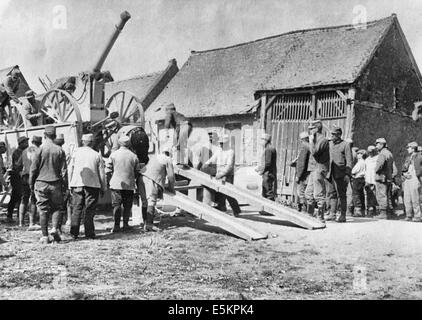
{"points": [[190, 259]]}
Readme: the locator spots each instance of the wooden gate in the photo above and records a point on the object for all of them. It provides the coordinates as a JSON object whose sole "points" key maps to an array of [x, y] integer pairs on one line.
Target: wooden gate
{"points": [[288, 116]]}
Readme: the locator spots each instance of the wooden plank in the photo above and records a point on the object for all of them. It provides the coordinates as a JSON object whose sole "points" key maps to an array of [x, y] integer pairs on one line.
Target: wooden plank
{"points": [[189, 187], [218, 218], [287, 214]]}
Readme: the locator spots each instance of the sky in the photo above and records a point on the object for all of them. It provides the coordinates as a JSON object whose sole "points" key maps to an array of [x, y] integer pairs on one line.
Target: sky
{"points": [[64, 37]]}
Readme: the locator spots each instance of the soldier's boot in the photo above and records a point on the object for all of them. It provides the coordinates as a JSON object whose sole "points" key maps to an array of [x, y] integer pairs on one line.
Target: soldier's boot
{"points": [[32, 225], [350, 211], [320, 213], [144, 215], [370, 213], [117, 217], [310, 209], [149, 225], [359, 212], [341, 218], [333, 210], [300, 207], [56, 221], [22, 211], [383, 214], [126, 226]]}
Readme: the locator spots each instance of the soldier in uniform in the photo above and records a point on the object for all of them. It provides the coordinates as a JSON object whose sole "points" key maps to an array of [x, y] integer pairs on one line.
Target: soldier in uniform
{"points": [[302, 170], [31, 110], [268, 169], [412, 171], [122, 170], [8, 89], [15, 172], [28, 197], [154, 176], [182, 129], [318, 166], [340, 170], [225, 161], [87, 181], [48, 176], [3, 149], [383, 178]]}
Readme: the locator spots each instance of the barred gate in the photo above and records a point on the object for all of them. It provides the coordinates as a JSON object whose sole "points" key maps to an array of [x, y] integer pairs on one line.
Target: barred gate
{"points": [[289, 115]]}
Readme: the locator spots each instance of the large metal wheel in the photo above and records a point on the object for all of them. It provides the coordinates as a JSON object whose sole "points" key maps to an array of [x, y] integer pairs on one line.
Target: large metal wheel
{"points": [[128, 106], [60, 107]]}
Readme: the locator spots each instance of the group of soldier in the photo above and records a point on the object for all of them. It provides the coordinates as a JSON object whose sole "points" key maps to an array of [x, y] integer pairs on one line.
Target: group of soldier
{"points": [[333, 176]]}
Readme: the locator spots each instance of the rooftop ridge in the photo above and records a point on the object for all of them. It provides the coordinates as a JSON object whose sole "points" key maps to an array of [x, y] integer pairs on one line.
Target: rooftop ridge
{"points": [[369, 23]]}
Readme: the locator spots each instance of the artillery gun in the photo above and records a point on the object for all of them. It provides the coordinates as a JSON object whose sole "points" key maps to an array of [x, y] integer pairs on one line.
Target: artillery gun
{"points": [[76, 105]]}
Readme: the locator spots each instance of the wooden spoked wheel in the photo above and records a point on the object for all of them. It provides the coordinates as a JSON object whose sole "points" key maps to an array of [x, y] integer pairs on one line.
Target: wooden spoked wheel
{"points": [[58, 107], [15, 120], [128, 106]]}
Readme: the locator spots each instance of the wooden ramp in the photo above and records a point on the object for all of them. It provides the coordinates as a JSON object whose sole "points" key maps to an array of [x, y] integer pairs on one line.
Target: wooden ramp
{"points": [[218, 218], [240, 194]]}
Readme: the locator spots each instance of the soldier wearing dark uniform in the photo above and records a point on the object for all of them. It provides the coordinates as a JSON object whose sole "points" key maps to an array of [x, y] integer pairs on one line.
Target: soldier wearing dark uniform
{"points": [[8, 89], [268, 169], [182, 129], [318, 166], [302, 170], [383, 178], [31, 110], [48, 177], [15, 172], [340, 170]]}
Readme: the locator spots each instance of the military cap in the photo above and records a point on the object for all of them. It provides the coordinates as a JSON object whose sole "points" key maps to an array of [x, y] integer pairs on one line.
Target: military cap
{"points": [[355, 149], [303, 135], [337, 130], [29, 94], [50, 130], [371, 148], [223, 138], [88, 137], [124, 141], [60, 136], [381, 140], [36, 139], [170, 106], [266, 137], [362, 152], [412, 145], [315, 124], [22, 139]]}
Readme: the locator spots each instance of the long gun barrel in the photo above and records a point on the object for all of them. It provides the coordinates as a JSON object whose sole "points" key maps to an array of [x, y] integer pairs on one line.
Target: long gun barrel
{"points": [[124, 17]]}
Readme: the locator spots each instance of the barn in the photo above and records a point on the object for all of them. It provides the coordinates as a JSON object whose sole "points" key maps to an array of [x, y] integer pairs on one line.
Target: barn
{"points": [[362, 78]]}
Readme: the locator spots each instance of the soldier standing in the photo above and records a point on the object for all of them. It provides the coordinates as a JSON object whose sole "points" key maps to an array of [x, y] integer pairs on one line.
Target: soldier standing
{"points": [[27, 196], [182, 129], [225, 161], [318, 166], [122, 171], [412, 171], [87, 181], [339, 173], [383, 178], [155, 175], [15, 172], [47, 177], [302, 169], [358, 183], [268, 169]]}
